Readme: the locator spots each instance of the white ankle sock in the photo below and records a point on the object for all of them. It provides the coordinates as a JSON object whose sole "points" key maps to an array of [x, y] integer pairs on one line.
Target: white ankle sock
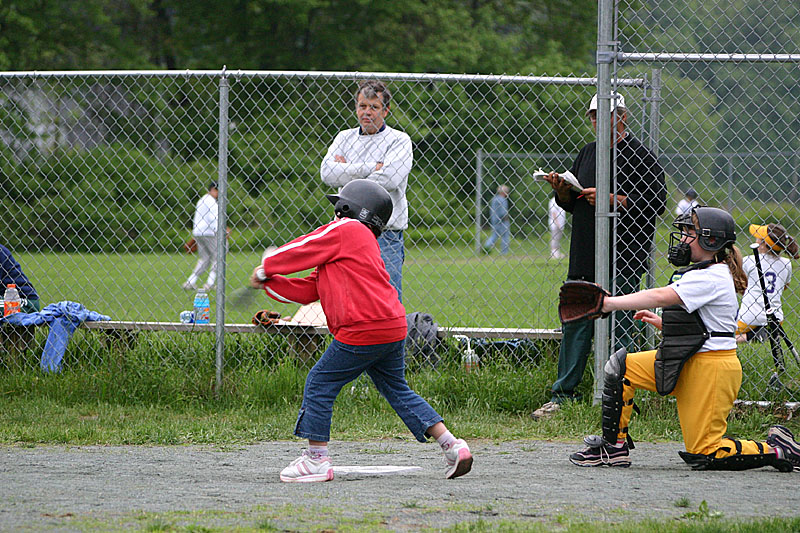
{"points": [[446, 440], [318, 451]]}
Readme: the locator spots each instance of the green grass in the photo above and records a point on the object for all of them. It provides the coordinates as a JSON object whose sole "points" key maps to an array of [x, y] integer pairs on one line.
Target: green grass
{"points": [[163, 393], [331, 518], [450, 282], [687, 525]]}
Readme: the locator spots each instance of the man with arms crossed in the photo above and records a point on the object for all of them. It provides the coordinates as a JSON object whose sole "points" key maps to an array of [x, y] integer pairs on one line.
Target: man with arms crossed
{"points": [[376, 152]]}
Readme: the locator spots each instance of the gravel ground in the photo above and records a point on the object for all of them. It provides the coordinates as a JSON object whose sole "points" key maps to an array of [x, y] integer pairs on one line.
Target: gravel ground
{"points": [[68, 488]]}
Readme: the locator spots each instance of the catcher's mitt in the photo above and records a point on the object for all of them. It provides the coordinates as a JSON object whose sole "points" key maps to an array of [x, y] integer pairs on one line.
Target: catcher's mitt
{"points": [[265, 317], [579, 300]]}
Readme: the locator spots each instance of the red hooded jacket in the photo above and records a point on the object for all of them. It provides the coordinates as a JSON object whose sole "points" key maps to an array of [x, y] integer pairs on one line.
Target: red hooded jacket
{"points": [[349, 279]]}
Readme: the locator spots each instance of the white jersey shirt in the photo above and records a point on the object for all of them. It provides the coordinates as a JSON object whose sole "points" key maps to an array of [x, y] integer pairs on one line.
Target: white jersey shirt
{"points": [[710, 292], [205, 217], [362, 153], [777, 274]]}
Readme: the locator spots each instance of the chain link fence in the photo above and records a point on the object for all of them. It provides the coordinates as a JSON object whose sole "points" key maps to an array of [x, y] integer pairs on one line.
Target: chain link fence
{"points": [[728, 127], [101, 173]]}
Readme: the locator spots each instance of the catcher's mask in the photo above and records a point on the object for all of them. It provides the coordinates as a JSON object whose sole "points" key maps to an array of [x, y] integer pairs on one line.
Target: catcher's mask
{"points": [[680, 254], [365, 201], [715, 230]]}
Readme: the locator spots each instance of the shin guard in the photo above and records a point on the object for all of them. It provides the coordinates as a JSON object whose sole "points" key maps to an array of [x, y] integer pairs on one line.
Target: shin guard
{"points": [[737, 461], [613, 374]]}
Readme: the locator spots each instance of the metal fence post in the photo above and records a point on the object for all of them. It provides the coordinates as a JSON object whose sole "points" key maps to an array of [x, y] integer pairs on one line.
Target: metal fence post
{"points": [[222, 206], [605, 50], [729, 169]]}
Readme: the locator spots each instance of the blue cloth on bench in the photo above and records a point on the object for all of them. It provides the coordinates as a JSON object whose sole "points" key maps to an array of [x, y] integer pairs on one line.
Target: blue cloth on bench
{"points": [[64, 318]]}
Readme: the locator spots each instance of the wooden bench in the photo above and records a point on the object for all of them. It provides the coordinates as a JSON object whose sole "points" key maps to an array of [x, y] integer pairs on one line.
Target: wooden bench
{"points": [[303, 329], [305, 341]]}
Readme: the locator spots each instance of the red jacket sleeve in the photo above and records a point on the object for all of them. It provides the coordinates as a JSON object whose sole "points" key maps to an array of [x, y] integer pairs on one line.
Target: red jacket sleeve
{"points": [[293, 290], [309, 251]]}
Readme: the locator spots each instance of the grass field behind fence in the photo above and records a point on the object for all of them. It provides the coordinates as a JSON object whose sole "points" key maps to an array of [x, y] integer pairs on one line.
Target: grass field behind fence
{"points": [[453, 284]]}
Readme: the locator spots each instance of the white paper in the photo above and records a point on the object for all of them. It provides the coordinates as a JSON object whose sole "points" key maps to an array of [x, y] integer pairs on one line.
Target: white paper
{"points": [[568, 176]]}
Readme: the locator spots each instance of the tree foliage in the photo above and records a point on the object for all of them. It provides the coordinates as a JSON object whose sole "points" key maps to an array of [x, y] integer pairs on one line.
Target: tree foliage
{"points": [[367, 35]]}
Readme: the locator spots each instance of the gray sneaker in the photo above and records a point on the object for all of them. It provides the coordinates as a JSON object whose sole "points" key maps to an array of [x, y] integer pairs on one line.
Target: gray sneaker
{"points": [[781, 438], [546, 411]]}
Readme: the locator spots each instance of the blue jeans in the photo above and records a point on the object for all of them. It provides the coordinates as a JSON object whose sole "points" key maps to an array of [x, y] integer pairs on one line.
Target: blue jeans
{"points": [[342, 363], [500, 230], [393, 254]]}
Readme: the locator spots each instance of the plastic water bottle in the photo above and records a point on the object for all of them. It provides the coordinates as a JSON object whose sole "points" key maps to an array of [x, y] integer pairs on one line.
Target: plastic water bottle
{"points": [[469, 357], [202, 308], [11, 300]]}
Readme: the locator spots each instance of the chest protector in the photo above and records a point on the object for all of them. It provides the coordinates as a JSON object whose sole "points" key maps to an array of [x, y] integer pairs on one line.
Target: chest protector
{"points": [[683, 335]]}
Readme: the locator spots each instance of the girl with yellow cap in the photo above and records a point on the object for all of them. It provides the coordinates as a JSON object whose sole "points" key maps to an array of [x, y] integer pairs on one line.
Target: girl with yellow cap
{"points": [[772, 239]]}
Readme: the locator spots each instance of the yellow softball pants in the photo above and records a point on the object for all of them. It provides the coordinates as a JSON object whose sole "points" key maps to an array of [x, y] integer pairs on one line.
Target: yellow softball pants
{"points": [[706, 390]]}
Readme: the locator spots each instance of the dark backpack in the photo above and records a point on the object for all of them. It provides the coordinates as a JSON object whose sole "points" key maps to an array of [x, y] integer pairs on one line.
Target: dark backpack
{"points": [[421, 341]]}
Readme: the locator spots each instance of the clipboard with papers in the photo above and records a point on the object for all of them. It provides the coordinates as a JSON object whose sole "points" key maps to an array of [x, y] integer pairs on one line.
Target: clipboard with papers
{"points": [[568, 176]]}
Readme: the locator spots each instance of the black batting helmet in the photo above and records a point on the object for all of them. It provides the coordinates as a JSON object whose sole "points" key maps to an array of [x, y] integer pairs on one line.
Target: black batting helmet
{"points": [[365, 201]]}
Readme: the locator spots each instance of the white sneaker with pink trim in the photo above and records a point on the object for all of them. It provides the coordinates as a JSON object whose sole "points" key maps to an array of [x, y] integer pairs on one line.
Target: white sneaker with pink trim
{"points": [[306, 469], [458, 459]]}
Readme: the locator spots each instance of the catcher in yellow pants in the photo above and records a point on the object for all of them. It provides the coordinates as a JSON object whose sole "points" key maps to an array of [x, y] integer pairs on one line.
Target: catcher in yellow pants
{"points": [[702, 410], [696, 361]]}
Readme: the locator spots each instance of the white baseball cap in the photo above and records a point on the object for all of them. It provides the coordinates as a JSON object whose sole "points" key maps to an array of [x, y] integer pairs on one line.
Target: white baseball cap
{"points": [[620, 102]]}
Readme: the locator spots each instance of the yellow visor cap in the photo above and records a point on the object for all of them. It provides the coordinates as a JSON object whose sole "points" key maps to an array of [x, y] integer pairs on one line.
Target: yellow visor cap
{"points": [[761, 232]]}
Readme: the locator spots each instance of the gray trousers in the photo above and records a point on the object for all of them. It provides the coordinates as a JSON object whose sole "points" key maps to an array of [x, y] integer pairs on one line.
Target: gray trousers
{"points": [[206, 260]]}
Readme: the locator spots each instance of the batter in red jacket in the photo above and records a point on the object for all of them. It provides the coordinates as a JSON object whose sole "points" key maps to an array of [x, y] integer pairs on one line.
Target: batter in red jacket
{"points": [[367, 321]]}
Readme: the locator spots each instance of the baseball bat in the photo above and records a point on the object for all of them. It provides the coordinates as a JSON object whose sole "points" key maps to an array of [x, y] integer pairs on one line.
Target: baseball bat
{"points": [[772, 321], [789, 344], [244, 296]]}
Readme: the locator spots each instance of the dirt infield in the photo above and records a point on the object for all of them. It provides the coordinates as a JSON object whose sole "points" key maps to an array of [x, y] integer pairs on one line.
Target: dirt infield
{"points": [[68, 488]]}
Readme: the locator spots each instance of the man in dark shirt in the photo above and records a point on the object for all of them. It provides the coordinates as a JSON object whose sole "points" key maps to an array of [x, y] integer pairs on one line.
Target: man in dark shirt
{"points": [[640, 199], [11, 272]]}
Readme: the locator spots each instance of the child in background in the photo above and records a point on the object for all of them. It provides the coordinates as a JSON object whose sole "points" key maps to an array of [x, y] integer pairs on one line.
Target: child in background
{"points": [[366, 319], [772, 239]]}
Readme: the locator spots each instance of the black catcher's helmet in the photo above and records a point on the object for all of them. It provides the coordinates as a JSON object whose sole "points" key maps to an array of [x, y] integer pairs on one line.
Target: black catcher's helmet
{"points": [[716, 228], [715, 231], [365, 201]]}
